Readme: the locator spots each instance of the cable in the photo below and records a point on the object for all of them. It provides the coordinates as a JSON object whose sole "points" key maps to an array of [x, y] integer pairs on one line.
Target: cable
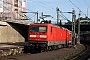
{"points": [[43, 5], [65, 17], [46, 5], [86, 3], [40, 3], [77, 7]]}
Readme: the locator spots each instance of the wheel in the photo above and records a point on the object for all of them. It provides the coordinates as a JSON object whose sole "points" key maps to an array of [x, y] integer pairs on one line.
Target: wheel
{"points": [[49, 48]]}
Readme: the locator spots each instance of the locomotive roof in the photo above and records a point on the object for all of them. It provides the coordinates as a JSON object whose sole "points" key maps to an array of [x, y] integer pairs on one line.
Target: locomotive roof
{"points": [[56, 26], [62, 27], [59, 26]]}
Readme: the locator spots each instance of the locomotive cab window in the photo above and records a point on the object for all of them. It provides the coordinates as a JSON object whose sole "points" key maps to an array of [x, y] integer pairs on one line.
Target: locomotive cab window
{"points": [[38, 28], [34, 29], [42, 29]]}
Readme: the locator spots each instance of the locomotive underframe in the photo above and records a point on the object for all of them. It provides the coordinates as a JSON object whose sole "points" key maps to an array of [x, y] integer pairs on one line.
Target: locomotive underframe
{"points": [[56, 43], [37, 46]]}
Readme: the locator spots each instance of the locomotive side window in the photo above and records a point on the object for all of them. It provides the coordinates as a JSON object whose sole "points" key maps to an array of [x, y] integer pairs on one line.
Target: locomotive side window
{"points": [[38, 28]]}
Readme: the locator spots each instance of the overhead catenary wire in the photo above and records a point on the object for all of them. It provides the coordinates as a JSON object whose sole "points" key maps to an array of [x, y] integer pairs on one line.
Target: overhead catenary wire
{"points": [[77, 7], [86, 3], [52, 9], [42, 4], [26, 9], [30, 10], [64, 16], [45, 5]]}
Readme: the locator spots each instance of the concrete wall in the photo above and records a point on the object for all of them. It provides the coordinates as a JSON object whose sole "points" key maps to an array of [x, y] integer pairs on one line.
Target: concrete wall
{"points": [[9, 34]]}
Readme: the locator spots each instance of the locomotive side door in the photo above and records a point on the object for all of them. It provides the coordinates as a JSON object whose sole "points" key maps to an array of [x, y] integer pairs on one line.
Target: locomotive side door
{"points": [[66, 38]]}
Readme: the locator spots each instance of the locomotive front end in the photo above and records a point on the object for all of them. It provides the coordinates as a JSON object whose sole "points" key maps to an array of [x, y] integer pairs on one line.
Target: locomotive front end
{"points": [[37, 37]]}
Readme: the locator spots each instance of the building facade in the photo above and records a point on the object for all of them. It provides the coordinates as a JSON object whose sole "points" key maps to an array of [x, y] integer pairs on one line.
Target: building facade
{"points": [[12, 9]]}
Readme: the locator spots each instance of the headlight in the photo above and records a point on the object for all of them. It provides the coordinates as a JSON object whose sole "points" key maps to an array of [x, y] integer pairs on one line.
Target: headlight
{"points": [[43, 36], [32, 35]]}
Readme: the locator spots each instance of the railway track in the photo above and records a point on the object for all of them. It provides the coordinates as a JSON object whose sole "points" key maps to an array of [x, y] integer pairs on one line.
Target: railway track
{"points": [[85, 55], [50, 54]]}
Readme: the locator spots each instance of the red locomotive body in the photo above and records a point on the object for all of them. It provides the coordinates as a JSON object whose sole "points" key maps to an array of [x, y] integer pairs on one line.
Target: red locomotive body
{"points": [[48, 35]]}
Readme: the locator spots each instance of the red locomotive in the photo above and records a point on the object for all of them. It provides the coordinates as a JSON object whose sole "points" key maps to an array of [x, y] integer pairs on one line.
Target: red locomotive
{"points": [[47, 37]]}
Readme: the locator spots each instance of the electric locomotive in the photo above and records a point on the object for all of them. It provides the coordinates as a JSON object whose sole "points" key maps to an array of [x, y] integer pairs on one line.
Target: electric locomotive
{"points": [[46, 36]]}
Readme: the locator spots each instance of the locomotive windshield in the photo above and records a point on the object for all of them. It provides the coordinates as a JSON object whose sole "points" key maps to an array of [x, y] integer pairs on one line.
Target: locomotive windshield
{"points": [[38, 28]]}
